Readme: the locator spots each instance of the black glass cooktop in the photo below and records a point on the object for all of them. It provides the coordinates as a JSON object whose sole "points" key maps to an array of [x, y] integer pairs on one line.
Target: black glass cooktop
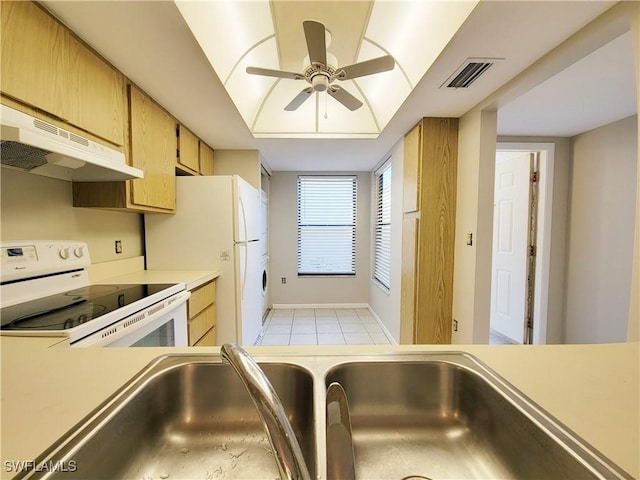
{"points": [[75, 307]]}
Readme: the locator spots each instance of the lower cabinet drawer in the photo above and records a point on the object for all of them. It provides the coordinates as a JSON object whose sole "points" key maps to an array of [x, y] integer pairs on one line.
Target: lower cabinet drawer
{"points": [[209, 339], [201, 298], [201, 324]]}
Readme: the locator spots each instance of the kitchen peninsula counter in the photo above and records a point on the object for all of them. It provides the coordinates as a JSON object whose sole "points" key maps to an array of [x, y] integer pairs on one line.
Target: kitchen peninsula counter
{"points": [[593, 389]]}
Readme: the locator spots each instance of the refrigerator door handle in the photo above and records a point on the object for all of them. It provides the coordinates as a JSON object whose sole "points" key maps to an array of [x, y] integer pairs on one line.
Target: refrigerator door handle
{"points": [[244, 272], [247, 241], [243, 233]]}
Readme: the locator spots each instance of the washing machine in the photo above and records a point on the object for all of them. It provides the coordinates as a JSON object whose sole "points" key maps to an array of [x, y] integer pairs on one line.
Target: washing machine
{"points": [[265, 287], [264, 244]]}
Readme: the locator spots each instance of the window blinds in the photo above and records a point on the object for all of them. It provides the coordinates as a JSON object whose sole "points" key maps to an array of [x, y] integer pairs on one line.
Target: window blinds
{"points": [[382, 254], [327, 225]]}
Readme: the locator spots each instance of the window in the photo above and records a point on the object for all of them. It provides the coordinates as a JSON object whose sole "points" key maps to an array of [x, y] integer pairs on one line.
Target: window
{"points": [[382, 253], [327, 225]]}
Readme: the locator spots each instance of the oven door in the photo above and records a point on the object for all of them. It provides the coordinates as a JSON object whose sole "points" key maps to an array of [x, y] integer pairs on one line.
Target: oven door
{"points": [[161, 325]]}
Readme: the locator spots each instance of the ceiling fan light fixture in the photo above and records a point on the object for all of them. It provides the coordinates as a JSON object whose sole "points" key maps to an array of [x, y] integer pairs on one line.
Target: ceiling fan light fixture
{"points": [[320, 82]]}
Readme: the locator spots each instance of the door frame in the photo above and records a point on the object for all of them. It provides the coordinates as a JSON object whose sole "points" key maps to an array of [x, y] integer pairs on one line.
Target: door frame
{"points": [[544, 228]]}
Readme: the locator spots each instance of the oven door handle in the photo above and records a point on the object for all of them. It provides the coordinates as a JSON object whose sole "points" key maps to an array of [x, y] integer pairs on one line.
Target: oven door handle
{"points": [[124, 327]]}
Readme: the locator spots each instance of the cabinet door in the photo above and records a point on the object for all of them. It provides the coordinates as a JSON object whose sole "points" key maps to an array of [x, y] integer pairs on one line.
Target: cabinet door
{"points": [[411, 169], [408, 278], [46, 67], [98, 103], [188, 151], [436, 233], [153, 149], [206, 159]]}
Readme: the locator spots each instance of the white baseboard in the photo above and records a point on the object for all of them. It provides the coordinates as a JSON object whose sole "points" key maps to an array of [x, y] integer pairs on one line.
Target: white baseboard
{"points": [[383, 327], [285, 306]]}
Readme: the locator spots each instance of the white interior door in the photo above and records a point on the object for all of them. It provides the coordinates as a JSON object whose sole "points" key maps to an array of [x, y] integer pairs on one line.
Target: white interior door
{"points": [[510, 249]]}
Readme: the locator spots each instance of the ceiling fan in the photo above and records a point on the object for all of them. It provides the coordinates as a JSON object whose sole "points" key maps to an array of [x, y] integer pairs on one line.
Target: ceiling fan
{"points": [[320, 74]]}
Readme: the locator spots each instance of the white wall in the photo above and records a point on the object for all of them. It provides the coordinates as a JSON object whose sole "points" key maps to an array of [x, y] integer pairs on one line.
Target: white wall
{"points": [[601, 233], [633, 330], [386, 304], [283, 248], [466, 273], [474, 214], [41, 208], [245, 163]]}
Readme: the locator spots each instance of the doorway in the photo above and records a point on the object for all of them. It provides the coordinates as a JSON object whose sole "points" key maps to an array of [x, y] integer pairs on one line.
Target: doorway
{"points": [[521, 242]]}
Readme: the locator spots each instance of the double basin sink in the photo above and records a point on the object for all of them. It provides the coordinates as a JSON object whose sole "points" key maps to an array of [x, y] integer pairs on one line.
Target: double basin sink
{"points": [[413, 416]]}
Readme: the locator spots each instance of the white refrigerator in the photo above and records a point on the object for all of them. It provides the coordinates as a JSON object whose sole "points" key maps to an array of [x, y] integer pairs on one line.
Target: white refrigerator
{"points": [[216, 227]]}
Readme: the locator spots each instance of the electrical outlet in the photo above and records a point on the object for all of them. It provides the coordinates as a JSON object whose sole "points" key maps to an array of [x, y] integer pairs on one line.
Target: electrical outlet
{"points": [[118, 246], [455, 325], [284, 280]]}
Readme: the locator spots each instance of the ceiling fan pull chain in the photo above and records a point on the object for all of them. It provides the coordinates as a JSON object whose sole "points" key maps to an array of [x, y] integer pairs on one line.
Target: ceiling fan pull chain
{"points": [[325, 107]]}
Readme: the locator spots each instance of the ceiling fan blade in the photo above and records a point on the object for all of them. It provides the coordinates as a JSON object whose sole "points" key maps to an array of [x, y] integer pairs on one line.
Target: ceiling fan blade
{"points": [[299, 100], [369, 67], [274, 73], [344, 97], [314, 33]]}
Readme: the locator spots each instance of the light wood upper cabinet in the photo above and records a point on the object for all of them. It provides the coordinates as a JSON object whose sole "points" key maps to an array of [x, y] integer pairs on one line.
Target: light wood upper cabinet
{"points": [[45, 66], [194, 156], [206, 159], [411, 169], [153, 140], [188, 151], [428, 232]]}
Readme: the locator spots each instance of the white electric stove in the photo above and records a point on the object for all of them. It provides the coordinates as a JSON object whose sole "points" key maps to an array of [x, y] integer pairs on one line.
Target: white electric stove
{"points": [[45, 291]]}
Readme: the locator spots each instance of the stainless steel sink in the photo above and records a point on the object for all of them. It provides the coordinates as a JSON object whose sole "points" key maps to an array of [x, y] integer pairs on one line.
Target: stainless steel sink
{"points": [[189, 417], [450, 417], [413, 415]]}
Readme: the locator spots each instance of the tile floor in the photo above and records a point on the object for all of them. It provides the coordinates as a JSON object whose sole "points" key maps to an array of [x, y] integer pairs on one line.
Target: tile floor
{"points": [[496, 338], [322, 326]]}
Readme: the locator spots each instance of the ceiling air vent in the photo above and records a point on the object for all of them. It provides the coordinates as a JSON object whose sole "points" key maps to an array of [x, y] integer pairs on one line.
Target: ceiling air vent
{"points": [[469, 72]]}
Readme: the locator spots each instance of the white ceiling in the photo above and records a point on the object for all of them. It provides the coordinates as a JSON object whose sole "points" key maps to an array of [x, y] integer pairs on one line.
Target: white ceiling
{"points": [[151, 44], [595, 91]]}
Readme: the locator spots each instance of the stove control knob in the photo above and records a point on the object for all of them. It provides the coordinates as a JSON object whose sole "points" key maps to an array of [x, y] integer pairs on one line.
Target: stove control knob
{"points": [[78, 252], [64, 253]]}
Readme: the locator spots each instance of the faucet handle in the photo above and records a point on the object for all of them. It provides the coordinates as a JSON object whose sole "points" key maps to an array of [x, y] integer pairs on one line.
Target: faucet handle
{"points": [[340, 455]]}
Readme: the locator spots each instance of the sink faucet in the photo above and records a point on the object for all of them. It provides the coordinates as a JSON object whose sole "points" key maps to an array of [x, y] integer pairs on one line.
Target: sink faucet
{"points": [[284, 443]]}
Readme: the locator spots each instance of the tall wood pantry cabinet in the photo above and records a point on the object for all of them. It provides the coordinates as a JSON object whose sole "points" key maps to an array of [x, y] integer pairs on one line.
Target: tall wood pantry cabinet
{"points": [[428, 231]]}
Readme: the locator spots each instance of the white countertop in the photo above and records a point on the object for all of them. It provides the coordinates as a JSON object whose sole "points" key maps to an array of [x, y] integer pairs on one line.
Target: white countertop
{"points": [[131, 270], [592, 389], [191, 278]]}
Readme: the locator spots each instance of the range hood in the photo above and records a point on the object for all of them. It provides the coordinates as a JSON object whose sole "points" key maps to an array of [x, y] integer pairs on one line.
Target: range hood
{"points": [[33, 145]]}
